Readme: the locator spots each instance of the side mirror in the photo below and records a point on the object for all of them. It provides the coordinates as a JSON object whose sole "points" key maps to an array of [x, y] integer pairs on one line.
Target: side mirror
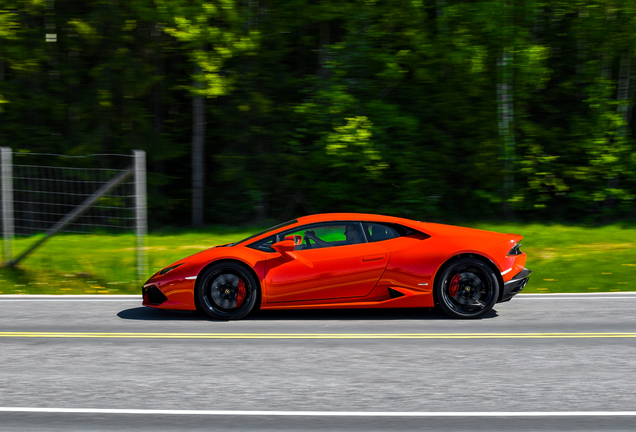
{"points": [[298, 239], [285, 248]]}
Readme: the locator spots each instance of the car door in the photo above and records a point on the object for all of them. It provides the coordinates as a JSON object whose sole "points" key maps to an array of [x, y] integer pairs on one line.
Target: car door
{"points": [[333, 267]]}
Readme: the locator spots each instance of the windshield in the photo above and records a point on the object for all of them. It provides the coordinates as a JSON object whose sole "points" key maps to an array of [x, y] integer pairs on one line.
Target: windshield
{"points": [[284, 224]]}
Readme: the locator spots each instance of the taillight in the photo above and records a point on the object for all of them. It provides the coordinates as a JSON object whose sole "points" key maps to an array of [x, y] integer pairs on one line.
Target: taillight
{"points": [[515, 249]]}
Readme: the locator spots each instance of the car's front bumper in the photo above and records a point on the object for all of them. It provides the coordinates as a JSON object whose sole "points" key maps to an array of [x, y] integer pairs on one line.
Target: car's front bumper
{"points": [[169, 292], [515, 285], [152, 296]]}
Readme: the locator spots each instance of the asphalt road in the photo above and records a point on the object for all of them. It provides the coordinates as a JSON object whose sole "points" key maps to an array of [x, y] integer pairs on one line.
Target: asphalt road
{"points": [[573, 372]]}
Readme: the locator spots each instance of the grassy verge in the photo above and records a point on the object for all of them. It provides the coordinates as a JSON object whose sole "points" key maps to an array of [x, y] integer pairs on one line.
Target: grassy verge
{"points": [[576, 259], [102, 264], [562, 258]]}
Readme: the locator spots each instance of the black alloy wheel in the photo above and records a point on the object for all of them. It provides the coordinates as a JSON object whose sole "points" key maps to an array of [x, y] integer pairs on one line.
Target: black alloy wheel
{"points": [[227, 291], [467, 288]]}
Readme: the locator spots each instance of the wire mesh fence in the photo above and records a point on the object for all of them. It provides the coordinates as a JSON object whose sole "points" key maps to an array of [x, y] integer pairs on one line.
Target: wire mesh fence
{"points": [[43, 195]]}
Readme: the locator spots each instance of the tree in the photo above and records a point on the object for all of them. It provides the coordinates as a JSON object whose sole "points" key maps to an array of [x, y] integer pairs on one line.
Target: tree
{"points": [[210, 33]]}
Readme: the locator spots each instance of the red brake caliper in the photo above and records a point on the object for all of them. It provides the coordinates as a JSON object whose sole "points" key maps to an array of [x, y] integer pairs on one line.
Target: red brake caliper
{"points": [[240, 296], [454, 283]]}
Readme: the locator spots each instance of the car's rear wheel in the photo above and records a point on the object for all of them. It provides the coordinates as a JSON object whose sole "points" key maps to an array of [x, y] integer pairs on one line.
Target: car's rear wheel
{"points": [[227, 291], [466, 288]]}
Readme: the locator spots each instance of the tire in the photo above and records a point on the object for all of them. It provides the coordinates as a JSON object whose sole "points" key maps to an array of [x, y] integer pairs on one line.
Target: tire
{"points": [[227, 291], [466, 288]]}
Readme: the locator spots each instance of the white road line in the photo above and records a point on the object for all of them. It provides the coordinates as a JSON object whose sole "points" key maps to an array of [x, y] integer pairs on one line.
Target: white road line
{"points": [[72, 296], [323, 413], [578, 298], [136, 297], [585, 294], [67, 300]]}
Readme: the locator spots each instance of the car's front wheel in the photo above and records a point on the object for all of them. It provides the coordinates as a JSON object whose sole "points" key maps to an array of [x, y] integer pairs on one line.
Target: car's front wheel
{"points": [[227, 291], [466, 288]]}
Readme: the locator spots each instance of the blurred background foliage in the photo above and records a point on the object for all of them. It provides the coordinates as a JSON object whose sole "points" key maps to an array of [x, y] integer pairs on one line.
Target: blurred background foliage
{"points": [[429, 109]]}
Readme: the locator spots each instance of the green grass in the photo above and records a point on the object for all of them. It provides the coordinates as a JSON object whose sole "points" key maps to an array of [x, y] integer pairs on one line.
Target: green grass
{"points": [[562, 259], [576, 259], [102, 264]]}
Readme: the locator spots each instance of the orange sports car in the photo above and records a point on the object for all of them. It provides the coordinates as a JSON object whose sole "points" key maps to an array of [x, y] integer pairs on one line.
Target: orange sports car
{"points": [[346, 260]]}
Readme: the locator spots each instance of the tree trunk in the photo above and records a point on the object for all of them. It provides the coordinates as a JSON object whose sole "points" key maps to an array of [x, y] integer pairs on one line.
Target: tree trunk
{"points": [[198, 153], [441, 24], [505, 108], [324, 50], [623, 89], [157, 102], [606, 74], [581, 50], [505, 102], [622, 95], [1, 65]]}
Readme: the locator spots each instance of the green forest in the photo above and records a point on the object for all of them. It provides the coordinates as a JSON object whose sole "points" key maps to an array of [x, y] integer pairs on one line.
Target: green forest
{"points": [[255, 111]]}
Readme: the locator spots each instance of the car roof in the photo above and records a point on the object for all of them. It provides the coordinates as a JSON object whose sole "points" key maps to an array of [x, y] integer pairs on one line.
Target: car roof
{"points": [[428, 228], [329, 217], [326, 217], [425, 227]]}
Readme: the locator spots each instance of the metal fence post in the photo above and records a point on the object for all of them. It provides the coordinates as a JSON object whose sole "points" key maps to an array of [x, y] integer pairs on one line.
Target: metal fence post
{"points": [[6, 180], [140, 213]]}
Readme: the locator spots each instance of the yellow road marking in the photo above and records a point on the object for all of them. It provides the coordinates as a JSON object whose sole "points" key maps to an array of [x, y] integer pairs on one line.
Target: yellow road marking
{"points": [[72, 335]]}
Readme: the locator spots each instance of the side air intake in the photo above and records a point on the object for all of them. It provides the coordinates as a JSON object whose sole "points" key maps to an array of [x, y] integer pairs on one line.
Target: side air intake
{"points": [[395, 294]]}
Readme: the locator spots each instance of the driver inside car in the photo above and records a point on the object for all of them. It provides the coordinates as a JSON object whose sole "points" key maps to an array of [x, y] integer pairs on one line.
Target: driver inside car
{"points": [[311, 235], [352, 236]]}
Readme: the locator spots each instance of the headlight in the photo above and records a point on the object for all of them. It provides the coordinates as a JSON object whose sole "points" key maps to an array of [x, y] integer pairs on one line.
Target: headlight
{"points": [[167, 269], [515, 249]]}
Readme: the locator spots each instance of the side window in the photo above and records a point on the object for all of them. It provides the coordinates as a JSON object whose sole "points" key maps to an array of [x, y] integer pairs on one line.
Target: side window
{"points": [[318, 236], [379, 232], [265, 245], [329, 235]]}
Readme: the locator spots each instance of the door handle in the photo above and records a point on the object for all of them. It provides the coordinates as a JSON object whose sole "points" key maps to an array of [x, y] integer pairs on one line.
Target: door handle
{"points": [[373, 258]]}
